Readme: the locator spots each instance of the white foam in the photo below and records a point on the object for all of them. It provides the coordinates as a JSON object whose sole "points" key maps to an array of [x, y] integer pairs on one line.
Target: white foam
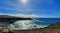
{"points": [[26, 24]]}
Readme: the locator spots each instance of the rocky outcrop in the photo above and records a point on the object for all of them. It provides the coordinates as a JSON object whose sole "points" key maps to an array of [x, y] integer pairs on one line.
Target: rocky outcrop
{"points": [[54, 26]]}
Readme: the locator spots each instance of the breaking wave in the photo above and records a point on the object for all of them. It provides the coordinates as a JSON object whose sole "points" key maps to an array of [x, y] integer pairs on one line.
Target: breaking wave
{"points": [[26, 24]]}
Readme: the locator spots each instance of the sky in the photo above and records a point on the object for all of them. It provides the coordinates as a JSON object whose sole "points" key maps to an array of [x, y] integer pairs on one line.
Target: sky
{"points": [[30, 8], [43, 8]]}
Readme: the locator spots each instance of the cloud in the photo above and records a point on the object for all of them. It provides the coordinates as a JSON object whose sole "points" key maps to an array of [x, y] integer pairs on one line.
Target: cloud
{"points": [[22, 15], [25, 16], [31, 15]]}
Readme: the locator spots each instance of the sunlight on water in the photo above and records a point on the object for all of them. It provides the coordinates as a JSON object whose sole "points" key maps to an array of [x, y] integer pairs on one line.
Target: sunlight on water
{"points": [[24, 24]]}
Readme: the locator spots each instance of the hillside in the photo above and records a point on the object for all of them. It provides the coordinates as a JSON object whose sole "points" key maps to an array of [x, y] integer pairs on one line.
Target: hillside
{"points": [[54, 26], [6, 16], [6, 20]]}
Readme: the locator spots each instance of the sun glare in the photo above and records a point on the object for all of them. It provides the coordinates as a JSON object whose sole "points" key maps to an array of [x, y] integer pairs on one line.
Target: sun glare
{"points": [[24, 0]]}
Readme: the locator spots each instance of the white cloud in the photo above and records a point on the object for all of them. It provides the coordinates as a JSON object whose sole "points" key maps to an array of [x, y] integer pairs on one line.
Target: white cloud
{"points": [[31, 15], [22, 15], [25, 16]]}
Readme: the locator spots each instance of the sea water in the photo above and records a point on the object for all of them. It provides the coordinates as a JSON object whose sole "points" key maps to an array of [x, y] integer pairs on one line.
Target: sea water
{"points": [[34, 23]]}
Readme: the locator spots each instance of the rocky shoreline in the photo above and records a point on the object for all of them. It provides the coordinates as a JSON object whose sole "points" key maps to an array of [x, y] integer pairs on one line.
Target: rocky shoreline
{"points": [[53, 28]]}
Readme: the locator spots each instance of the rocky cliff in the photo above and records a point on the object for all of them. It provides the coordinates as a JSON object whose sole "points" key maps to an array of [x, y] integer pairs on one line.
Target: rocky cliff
{"points": [[5, 20]]}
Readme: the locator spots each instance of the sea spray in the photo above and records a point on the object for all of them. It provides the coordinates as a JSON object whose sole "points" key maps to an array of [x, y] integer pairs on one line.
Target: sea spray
{"points": [[26, 24]]}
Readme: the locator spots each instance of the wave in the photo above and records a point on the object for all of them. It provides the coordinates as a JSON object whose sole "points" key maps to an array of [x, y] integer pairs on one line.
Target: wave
{"points": [[26, 24]]}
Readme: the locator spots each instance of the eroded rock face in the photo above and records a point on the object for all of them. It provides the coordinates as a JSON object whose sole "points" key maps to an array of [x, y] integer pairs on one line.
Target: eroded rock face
{"points": [[4, 24]]}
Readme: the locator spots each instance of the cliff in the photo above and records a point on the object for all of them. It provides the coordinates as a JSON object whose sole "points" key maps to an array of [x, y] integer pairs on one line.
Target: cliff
{"points": [[6, 20]]}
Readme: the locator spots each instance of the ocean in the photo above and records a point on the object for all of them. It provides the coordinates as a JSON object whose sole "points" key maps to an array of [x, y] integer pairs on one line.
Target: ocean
{"points": [[47, 21], [34, 23]]}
